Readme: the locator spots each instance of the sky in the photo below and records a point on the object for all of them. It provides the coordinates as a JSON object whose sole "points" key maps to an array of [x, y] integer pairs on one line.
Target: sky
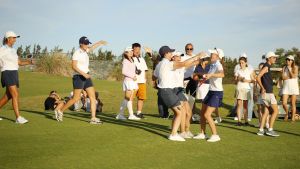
{"points": [[236, 26]]}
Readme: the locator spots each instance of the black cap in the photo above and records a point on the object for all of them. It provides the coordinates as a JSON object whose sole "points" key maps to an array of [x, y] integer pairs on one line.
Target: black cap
{"points": [[84, 40], [165, 49]]}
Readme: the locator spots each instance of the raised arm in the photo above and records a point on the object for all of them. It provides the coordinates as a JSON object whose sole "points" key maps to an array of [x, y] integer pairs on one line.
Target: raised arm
{"points": [[96, 45], [189, 62]]}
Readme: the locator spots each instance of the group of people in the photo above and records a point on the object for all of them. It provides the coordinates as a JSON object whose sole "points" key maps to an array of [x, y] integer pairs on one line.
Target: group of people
{"points": [[177, 76]]}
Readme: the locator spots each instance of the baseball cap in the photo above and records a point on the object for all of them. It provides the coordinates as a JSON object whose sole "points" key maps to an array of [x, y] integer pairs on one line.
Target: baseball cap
{"points": [[176, 53], [291, 57], [270, 54], [165, 49], [84, 40], [11, 34], [128, 49], [217, 51]]}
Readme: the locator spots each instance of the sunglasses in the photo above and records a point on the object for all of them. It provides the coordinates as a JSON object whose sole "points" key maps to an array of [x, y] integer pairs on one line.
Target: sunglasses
{"points": [[288, 60], [189, 49]]}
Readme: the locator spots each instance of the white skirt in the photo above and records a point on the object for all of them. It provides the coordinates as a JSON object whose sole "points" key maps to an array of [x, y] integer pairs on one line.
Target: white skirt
{"points": [[202, 91], [290, 87], [130, 85]]}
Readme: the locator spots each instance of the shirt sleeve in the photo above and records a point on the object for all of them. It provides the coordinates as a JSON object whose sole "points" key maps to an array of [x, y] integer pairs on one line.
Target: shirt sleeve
{"points": [[75, 56], [219, 67], [125, 71]]}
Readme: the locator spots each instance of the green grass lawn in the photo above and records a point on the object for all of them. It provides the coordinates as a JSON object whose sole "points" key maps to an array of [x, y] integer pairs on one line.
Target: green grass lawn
{"points": [[74, 143]]}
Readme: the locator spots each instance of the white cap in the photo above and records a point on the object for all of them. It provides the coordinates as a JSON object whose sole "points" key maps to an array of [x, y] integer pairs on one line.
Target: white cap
{"points": [[176, 53], [291, 57], [243, 55], [11, 34], [217, 51], [128, 49], [270, 54]]}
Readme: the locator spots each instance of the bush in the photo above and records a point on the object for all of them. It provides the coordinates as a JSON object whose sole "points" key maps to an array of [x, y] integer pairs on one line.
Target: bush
{"points": [[55, 63]]}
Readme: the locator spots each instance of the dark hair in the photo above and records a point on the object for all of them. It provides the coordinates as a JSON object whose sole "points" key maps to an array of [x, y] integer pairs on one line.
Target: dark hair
{"points": [[125, 56], [261, 64], [189, 44], [4, 41], [136, 45], [53, 91], [244, 59]]}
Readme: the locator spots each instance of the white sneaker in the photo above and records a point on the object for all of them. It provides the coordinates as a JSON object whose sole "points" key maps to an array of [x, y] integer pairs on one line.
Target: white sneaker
{"points": [[214, 138], [249, 120], [133, 117], [1, 119], [236, 119], [176, 137], [96, 121], [121, 117], [189, 134], [21, 120], [201, 136], [218, 120], [184, 135], [58, 115]]}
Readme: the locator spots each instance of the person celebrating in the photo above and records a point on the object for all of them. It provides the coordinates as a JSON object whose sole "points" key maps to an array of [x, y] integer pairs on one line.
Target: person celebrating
{"points": [[9, 63], [129, 85], [265, 81], [82, 78], [165, 72], [214, 97], [290, 86]]}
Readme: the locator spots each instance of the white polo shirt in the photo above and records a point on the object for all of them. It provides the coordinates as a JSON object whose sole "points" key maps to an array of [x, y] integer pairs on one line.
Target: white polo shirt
{"points": [[8, 58], [189, 71], [82, 59], [140, 63], [215, 84], [165, 73]]}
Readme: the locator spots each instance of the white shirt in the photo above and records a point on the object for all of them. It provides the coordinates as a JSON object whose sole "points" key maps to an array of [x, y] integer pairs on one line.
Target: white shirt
{"points": [[215, 84], [8, 58], [140, 63], [165, 73], [237, 67], [189, 71], [246, 73], [82, 59], [179, 77]]}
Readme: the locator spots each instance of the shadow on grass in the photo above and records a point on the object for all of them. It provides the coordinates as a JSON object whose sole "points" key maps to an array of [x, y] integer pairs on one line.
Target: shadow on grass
{"points": [[109, 118], [4, 118]]}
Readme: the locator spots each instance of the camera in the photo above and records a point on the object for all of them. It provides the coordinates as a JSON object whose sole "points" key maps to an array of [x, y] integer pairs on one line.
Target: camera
{"points": [[137, 71]]}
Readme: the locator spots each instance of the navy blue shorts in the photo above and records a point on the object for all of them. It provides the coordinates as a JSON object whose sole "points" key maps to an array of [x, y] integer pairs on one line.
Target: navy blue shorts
{"points": [[80, 82], [10, 78], [213, 99], [169, 97], [180, 93]]}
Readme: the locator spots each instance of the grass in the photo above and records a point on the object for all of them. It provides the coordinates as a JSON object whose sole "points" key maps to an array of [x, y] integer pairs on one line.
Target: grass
{"points": [[44, 143]]}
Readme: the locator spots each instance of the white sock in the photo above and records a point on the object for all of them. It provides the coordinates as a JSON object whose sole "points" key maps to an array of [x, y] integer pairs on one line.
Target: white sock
{"points": [[129, 107], [138, 112], [261, 129], [270, 129], [123, 106]]}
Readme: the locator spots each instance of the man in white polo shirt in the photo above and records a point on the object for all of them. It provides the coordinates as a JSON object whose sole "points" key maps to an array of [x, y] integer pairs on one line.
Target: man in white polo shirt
{"points": [[141, 69]]}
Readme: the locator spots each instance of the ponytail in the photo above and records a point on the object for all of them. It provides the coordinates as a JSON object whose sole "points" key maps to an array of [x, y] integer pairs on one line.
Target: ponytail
{"points": [[4, 41]]}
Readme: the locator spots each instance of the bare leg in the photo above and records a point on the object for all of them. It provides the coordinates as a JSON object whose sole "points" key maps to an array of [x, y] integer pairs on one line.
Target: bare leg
{"points": [[13, 90], [140, 104], [5, 98], [91, 93], [293, 106], [285, 107], [207, 115], [177, 119], [274, 115], [239, 109], [245, 106], [76, 97], [264, 117], [188, 112], [203, 119], [183, 117]]}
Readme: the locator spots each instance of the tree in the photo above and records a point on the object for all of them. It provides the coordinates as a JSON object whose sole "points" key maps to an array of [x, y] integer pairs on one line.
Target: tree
{"points": [[20, 51], [27, 51], [38, 51]]}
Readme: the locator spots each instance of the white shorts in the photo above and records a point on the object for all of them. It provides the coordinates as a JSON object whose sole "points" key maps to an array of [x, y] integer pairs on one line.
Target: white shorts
{"points": [[290, 87], [202, 91], [130, 85], [242, 94], [269, 99]]}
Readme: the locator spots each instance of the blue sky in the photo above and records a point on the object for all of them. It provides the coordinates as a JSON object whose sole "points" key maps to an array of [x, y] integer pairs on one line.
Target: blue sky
{"points": [[251, 26]]}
